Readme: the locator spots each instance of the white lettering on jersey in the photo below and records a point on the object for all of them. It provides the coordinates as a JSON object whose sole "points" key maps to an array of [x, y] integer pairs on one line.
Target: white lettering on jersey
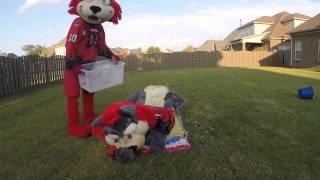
{"points": [[73, 38]]}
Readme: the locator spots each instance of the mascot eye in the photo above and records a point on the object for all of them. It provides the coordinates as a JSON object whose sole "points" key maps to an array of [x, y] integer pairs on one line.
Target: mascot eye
{"points": [[129, 136]]}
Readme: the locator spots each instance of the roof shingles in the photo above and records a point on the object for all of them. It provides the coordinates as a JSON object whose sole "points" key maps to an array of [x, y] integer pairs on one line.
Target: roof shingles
{"points": [[295, 16], [312, 24]]}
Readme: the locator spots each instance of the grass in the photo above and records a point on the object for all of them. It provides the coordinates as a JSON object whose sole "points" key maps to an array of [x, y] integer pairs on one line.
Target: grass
{"points": [[244, 124]]}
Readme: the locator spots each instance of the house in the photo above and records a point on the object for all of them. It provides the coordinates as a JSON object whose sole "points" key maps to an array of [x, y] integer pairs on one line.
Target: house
{"points": [[167, 50], [122, 52], [12, 55], [189, 49], [207, 46], [232, 36], [305, 48], [266, 32], [211, 45], [60, 50], [136, 51], [57, 49]]}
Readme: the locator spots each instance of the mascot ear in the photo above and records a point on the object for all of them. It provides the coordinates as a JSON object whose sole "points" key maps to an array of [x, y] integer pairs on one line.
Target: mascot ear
{"points": [[117, 12], [128, 111], [96, 122], [73, 7]]}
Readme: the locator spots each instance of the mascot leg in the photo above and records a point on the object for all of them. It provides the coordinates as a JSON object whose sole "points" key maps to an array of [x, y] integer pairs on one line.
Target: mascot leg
{"points": [[89, 114], [88, 107], [72, 92], [74, 127]]}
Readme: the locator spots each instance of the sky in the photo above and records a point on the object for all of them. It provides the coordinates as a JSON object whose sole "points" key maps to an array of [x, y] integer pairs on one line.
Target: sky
{"points": [[173, 24]]}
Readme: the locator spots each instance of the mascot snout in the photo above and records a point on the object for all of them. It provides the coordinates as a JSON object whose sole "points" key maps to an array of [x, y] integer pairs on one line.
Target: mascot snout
{"points": [[95, 9]]}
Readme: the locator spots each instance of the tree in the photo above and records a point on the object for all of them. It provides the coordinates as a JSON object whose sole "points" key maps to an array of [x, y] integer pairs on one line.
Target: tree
{"points": [[153, 50], [139, 51], [35, 50]]}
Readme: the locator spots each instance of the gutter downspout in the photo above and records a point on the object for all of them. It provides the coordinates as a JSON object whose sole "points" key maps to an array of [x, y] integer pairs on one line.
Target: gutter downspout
{"points": [[291, 59]]}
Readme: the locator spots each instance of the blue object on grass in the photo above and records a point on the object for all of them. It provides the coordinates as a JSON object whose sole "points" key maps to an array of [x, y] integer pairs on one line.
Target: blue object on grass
{"points": [[306, 93]]}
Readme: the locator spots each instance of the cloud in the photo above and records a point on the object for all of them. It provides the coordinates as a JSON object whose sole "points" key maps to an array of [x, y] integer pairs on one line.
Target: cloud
{"points": [[31, 3], [193, 28]]}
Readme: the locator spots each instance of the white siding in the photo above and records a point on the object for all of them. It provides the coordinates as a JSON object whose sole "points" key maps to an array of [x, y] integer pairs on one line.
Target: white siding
{"points": [[260, 28], [253, 29], [246, 31], [254, 39], [293, 23], [298, 22]]}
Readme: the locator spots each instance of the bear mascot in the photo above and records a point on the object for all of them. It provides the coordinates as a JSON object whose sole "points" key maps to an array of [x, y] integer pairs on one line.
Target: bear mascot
{"points": [[85, 41]]}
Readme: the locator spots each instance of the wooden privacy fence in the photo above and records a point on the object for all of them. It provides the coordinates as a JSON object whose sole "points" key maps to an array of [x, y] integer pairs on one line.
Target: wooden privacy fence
{"points": [[182, 60], [29, 71], [25, 72]]}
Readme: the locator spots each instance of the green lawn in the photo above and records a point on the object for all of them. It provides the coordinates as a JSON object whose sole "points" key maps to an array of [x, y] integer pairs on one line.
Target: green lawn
{"points": [[244, 124]]}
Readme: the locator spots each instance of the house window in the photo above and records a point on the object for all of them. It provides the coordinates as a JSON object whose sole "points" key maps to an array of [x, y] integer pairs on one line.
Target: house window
{"points": [[319, 50], [298, 50]]}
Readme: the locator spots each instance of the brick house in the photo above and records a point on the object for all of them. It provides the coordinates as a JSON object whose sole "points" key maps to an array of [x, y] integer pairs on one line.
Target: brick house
{"points": [[266, 32], [122, 52], [305, 44], [57, 49], [211, 45]]}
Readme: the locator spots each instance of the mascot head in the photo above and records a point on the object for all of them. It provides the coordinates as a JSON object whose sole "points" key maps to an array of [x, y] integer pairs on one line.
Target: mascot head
{"points": [[96, 11], [127, 132]]}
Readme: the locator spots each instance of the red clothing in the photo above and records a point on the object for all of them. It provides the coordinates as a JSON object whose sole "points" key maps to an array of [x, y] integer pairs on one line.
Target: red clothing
{"points": [[143, 113], [86, 41]]}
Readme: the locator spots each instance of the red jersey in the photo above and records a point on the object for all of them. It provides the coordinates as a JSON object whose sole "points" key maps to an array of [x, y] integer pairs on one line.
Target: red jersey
{"points": [[143, 113], [86, 41]]}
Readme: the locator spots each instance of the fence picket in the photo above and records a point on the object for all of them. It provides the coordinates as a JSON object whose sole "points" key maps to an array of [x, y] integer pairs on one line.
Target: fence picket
{"points": [[6, 76], [2, 93]]}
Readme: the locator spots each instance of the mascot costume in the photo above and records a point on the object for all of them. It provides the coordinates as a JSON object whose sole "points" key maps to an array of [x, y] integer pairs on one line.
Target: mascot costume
{"points": [[136, 127], [128, 126], [86, 41]]}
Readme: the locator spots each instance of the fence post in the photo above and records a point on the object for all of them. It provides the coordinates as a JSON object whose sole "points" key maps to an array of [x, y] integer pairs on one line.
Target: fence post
{"points": [[46, 69]]}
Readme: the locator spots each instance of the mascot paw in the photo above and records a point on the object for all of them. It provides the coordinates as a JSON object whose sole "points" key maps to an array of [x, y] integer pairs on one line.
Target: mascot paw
{"points": [[77, 69], [116, 58], [156, 141], [81, 131]]}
